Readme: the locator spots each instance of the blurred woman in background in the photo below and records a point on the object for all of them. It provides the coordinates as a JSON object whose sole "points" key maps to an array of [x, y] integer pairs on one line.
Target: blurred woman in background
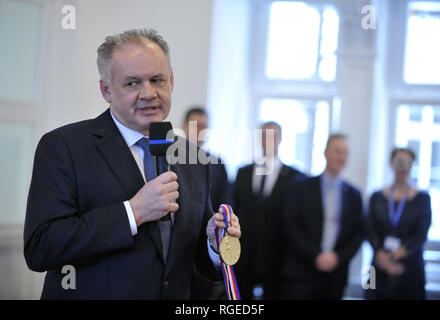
{"points": [[398, 221]]}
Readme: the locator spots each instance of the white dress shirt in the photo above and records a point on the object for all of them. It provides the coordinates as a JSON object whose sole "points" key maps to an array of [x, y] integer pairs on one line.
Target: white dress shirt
{"points": [[271, 167], [331, 192]]}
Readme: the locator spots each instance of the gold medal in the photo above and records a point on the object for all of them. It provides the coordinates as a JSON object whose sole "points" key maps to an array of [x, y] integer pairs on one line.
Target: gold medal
{"points": [[230, 249]]}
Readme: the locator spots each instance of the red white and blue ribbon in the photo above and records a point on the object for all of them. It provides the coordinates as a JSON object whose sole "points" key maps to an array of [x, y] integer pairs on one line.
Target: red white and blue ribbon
{"points": [[227, 270]]}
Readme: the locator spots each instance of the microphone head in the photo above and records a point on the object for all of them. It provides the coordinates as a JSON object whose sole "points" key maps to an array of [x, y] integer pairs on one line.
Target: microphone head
{"points": [[158, 138]]}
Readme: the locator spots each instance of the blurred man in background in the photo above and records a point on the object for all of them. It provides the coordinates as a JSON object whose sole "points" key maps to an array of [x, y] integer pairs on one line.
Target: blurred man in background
{"points": [[259, 193], [323, 227], [195, 125]]}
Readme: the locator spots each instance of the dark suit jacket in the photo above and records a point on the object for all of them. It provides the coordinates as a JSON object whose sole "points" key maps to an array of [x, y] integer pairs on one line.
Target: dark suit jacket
{"points": [[220, 193], [303, 226], [262, 248], [75, 216]]}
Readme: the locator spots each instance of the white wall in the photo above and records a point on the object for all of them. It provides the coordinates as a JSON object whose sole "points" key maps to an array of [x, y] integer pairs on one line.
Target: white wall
{"points": [[71, 75], [228, 91]]}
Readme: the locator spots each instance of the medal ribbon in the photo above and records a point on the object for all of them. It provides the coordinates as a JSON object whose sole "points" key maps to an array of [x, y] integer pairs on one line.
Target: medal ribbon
{"points": [[227, 270], [395, 214]]}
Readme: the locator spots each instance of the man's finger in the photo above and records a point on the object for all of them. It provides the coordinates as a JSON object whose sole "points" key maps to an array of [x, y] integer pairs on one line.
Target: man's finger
{"points": [[220, 224], [172, 196], [170, 186], [167, 177], [173, 207], [234, 232]]}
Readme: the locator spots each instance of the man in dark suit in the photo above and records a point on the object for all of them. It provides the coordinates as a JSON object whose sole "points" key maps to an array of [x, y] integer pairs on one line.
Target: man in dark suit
{"points": [[95, 204], [195, 126], [258, 196], [323, 229]]}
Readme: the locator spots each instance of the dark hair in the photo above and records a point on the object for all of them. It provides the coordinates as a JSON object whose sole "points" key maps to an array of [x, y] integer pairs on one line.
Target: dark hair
{"points": [[195, 110], [334, 136], [272, 123], [406, 150]]}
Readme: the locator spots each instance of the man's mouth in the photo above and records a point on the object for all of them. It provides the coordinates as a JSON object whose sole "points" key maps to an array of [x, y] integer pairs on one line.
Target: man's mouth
{"points": [[148, 108]]}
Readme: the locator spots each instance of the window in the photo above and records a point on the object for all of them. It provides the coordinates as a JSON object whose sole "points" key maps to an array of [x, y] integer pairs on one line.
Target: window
{"points": [[422, 63], [417, 129], [20, 35], [418, 122], [16, 141], [302, 41], [20, 24], [415, 100], [295, 76], [422, 134], [302, 121]]}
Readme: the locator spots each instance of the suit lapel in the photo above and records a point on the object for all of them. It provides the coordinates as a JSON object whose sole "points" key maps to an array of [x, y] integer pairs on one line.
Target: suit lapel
{"points": [[317, 191], [278, 183], [248, 181], [118, 156], [343, 212], [115, 152]]}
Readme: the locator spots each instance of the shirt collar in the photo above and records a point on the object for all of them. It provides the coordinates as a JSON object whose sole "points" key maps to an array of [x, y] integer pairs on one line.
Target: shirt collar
{"points": [[328, 181], [264, 163], [130, 136]]}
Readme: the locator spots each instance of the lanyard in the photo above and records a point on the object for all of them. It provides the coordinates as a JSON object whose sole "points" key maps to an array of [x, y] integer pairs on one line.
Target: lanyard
{"points": [[395, 215], [227, 270]]}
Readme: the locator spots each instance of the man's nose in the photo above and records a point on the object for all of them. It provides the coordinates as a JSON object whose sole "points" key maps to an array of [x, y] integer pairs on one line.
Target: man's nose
{"points": [[148, 91]]}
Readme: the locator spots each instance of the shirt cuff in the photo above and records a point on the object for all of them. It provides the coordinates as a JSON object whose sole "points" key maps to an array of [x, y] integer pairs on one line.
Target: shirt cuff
{"points": [[131, 218], [215, 257]]}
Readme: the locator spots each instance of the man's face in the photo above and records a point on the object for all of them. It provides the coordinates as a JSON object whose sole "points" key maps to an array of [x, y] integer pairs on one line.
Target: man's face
{"points": [[141, 86], [270, 140], [336, 155], [200, 121]]}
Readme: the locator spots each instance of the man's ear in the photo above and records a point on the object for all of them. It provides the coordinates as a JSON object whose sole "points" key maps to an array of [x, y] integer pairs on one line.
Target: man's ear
{"points": [[326, 153], [105, 92], [172, 80]]}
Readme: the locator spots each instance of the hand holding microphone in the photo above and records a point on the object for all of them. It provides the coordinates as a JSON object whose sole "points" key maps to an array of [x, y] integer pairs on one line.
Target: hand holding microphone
{"points": [[157, 198]]}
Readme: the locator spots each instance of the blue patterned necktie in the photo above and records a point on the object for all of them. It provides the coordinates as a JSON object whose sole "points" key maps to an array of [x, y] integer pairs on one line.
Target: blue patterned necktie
{"points": [[149, 167], [150, 173]]}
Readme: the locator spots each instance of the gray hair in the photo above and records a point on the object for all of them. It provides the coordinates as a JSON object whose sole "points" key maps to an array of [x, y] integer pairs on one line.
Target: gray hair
{"points": [[335, 136], [114, 42]]}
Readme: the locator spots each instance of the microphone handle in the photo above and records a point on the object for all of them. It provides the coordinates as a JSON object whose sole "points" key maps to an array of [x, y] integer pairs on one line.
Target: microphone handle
{"points": [[160, 168]]}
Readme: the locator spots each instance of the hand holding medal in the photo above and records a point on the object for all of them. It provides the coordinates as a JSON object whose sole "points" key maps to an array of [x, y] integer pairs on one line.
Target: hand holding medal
{"points": [[229, 248]]}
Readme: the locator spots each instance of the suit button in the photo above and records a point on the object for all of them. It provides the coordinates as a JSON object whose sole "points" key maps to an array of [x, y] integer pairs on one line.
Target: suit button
{"points": [[165, 284]]}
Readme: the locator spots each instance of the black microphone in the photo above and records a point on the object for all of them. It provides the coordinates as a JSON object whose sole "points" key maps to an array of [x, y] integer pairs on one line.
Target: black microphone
{"points": [[159, 145]]}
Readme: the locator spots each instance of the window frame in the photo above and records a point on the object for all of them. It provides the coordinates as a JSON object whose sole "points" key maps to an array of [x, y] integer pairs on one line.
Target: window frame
{"points": [[258, 52], [261, 87], [399, 30], [332, 105], [401, 92]]}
